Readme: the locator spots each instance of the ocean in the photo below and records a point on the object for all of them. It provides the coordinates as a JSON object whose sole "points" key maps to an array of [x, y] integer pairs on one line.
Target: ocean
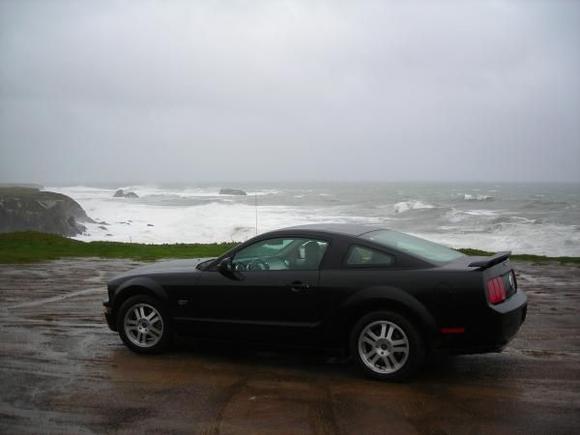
{"points": [[541, 219]]}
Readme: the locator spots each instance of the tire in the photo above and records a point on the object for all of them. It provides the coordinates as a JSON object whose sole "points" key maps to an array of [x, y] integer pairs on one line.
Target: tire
{"points": [[144, 325], [387, 346]]}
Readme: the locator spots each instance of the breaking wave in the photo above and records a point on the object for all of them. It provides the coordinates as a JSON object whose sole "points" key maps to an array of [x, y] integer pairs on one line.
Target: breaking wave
{"points": [[477, 197], [199, 214], [404, 206]]}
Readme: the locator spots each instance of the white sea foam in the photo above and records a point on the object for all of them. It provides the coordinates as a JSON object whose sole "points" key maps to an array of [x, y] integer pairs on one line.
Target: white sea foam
{"points": [[549, 239], [477, 197], [481, 212], [213, 222], [403, 206], [200, 214]]}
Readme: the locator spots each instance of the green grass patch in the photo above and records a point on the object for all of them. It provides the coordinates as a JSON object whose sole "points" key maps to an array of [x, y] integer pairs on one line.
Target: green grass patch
{"points": [[30, 246]]}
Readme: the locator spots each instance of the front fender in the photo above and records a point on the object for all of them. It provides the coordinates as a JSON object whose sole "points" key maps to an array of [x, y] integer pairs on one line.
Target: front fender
{"points": [[141, 282]]}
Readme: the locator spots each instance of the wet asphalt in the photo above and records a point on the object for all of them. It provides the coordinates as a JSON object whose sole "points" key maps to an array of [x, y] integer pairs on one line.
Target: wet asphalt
{"points": [[63, 371]]}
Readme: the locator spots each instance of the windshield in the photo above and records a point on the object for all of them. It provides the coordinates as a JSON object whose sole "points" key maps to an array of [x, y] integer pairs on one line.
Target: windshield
{"points": [[413, 246]]}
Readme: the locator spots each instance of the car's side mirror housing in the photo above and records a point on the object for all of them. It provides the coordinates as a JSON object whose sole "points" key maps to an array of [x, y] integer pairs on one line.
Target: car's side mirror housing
{"points": [[226, 265], [226, 268]]}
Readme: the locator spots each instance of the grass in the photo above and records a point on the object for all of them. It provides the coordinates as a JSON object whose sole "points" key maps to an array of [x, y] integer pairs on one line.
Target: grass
{"points": [[30, 246]]}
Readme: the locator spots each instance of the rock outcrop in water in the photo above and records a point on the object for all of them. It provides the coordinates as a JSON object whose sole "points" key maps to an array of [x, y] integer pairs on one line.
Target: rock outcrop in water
{"points": [[30, 209], [122, 194], [228, 191]]}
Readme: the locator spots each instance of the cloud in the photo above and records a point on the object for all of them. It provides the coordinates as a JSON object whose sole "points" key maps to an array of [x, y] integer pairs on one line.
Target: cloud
{"points": [[282, 90]]}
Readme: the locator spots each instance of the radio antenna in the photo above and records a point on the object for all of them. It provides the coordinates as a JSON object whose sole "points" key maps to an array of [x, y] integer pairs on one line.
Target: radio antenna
{"points": [[256, 207]]}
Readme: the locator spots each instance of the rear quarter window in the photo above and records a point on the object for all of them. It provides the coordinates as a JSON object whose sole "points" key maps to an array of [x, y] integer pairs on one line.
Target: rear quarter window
{"points": [[414, 246], [361, 256]]}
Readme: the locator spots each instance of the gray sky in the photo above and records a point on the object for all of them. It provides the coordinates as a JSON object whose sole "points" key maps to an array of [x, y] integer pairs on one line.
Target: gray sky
{"points": [[155, 91]]}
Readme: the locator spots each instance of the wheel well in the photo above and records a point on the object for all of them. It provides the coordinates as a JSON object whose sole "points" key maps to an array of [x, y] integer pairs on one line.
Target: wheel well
{"points": [[127, 293], [361, 310]]}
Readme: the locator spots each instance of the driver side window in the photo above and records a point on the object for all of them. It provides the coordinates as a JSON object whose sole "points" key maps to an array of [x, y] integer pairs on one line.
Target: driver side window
{"points": [[281, 254]]}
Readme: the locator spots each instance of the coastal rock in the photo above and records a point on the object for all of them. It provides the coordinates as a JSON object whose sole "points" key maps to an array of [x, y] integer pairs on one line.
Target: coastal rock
{"points": [[120, 193], [30, 209], [228, 191]]}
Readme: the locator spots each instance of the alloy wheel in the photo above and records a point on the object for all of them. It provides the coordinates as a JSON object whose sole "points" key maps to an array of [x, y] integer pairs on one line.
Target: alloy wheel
{"points": [[143, 325], [383, 347]]}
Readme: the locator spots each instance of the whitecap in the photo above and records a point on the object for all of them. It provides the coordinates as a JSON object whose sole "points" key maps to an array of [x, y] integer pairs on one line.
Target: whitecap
{"points": [[477, 197], [404, 206]]}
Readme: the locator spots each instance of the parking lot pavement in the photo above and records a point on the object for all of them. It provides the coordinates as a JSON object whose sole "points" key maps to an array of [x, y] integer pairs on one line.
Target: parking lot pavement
{"points": [[63, 371]]}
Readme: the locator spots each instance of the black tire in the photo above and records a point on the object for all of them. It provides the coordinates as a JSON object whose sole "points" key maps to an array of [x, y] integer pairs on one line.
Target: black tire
{"points": [[140, 334], [396, 356]]}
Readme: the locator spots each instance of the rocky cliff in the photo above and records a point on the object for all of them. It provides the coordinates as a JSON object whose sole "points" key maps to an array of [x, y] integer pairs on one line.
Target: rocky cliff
{"points": [[30, 209]]}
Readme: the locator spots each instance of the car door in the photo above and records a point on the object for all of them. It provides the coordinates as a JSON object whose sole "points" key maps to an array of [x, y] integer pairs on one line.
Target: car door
{"points": [[270, 294]]}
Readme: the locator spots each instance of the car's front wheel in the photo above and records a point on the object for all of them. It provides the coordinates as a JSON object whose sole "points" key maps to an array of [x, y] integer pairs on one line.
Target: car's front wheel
{"points": [[143, 324], [387, 346]]}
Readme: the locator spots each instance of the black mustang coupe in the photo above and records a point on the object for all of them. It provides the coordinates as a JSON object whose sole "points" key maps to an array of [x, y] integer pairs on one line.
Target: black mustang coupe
{"points": [[386, 297]]}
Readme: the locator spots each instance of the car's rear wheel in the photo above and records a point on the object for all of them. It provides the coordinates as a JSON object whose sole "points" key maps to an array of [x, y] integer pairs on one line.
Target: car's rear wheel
{"points": [[143, 324], [387, 346]]}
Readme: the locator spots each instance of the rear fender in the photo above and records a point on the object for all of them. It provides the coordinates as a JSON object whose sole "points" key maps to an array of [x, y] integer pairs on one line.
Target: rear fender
{"points": [[381, 298]]}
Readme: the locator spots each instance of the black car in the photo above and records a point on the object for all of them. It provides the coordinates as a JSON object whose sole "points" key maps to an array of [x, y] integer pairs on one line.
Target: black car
{"points": [[386, 297]]}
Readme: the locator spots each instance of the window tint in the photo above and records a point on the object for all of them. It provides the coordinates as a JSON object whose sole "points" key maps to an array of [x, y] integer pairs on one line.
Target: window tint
{"points": [[413, 245], [281, 254], [361, 256], [265, 248]]}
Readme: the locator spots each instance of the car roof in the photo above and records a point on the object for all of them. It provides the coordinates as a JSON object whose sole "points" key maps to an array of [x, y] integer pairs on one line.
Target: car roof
{"points": [[335, 228]]}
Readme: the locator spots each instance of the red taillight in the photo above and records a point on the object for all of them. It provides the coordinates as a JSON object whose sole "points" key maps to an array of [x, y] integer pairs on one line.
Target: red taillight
{"points": [[496, 290]]}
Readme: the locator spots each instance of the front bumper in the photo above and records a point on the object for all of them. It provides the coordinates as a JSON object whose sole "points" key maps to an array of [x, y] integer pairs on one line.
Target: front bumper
{"points": [[108, 312], [492, 331]]}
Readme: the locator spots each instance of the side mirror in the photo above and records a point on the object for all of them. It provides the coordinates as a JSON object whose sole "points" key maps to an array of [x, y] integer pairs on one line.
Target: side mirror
{"points": [[226, 265]]}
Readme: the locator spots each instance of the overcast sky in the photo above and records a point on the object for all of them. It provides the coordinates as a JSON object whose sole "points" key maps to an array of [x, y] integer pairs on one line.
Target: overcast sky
{"points": [[201, 91]]}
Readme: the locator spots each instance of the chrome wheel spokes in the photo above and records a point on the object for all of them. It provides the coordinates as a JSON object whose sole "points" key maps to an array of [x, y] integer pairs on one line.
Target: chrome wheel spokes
{"points": [[383, 346], [143, 325]]}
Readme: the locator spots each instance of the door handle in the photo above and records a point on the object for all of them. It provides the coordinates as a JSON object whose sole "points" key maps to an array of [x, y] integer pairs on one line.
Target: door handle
{"points": [[299, 286]]}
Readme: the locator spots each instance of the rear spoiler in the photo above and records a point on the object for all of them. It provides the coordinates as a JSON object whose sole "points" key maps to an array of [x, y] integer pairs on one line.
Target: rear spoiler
{"points": [[491, 261]]}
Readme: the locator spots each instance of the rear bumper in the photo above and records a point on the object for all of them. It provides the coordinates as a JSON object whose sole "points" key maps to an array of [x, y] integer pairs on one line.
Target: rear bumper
{"points": [[108, 312], [492, 331]]}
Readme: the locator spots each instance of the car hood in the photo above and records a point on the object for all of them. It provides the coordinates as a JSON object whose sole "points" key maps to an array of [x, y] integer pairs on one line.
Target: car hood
{"points": [[172, 266]]}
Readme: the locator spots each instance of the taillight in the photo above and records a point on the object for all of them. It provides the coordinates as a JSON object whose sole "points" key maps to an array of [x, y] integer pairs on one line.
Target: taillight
{"points": [[496, 290]]}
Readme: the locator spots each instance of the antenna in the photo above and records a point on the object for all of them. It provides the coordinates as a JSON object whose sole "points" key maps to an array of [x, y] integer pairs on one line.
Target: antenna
{"points": [[256, 207]]}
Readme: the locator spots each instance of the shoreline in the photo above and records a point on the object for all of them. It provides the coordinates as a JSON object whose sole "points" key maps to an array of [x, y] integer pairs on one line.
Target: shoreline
{"points": [[32, 247]]}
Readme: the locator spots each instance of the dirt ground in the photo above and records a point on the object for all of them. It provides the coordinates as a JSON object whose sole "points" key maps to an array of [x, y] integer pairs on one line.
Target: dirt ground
{"points": [[63, 371]]}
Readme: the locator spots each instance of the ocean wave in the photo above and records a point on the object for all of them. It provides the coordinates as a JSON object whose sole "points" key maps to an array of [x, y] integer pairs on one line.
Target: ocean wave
{"points": [[137, 222], [515, 219], [152, 192], [543, 204], [177, 214], [490, 219], [477, 197], [480, 212], [520, 238], [404, 206]]}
